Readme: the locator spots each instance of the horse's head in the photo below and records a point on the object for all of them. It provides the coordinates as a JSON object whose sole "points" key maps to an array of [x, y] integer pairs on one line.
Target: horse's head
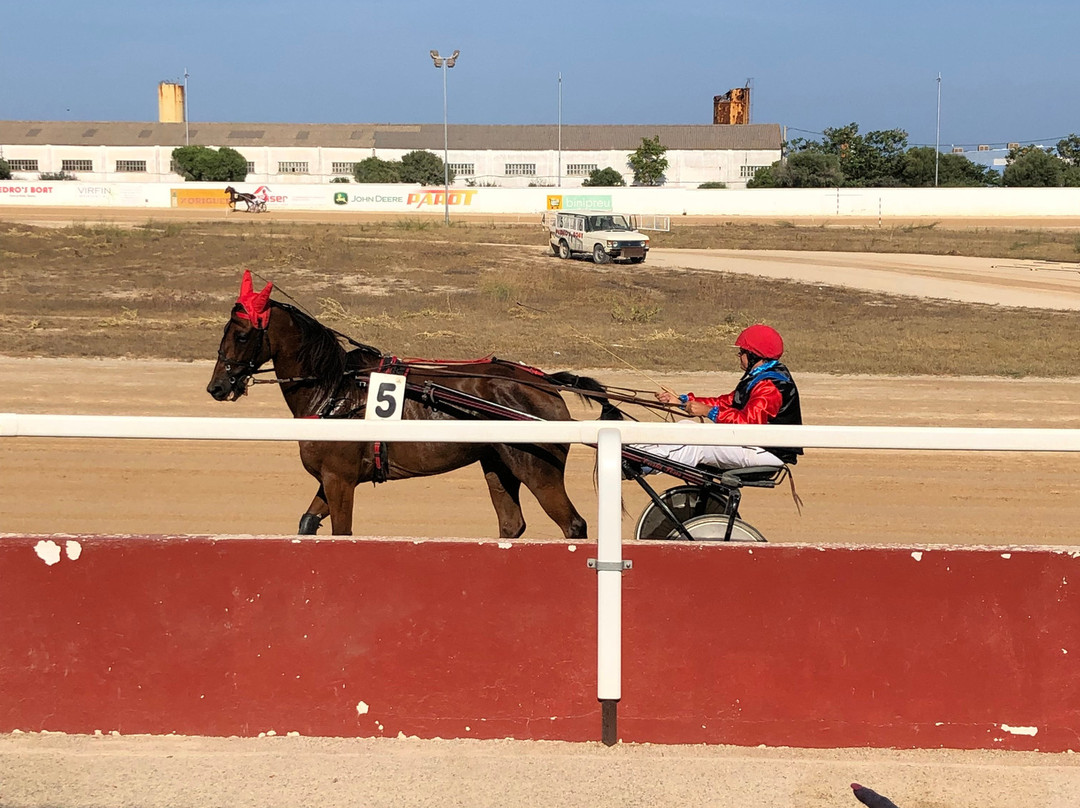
{"points": [[244, 346]]}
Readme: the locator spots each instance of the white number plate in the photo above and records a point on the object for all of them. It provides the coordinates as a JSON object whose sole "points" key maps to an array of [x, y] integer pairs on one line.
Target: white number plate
{"points": [[386, 397]]}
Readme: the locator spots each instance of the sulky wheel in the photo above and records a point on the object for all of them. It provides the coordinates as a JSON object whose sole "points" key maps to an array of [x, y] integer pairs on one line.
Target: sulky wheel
{"points": [[686, 502]]}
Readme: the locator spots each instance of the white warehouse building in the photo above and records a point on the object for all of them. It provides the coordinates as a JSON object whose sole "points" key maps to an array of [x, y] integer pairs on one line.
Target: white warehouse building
{"points": [[515, 156]]}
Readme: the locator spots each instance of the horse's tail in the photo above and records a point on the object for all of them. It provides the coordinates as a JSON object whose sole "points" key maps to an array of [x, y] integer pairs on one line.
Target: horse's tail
{"points": [[589, 389]]}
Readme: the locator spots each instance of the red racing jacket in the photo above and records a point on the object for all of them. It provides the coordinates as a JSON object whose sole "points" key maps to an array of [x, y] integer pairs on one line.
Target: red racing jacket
{"points": [[766, 394]]}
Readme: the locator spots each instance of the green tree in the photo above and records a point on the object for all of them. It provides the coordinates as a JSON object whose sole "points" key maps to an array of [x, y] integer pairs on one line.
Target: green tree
{"points": [[763, 177], [954, 170], [648, 162], [423, 167], [804, 169], [713, 184], [5, 169], [873, 160], [375, 170], [203, 164], [1068, 149], [603, 178], [1031, 167]]}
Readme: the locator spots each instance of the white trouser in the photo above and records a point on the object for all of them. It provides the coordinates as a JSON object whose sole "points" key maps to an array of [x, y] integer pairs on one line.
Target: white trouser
{"points": [[725, 457]]}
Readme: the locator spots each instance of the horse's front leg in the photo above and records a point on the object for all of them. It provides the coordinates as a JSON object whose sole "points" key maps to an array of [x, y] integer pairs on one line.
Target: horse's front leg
{"points": [[339, 491]]}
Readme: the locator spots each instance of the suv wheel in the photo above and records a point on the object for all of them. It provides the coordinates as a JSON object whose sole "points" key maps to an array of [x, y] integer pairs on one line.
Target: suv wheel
{"points": [[599, 256], [564, 249]]}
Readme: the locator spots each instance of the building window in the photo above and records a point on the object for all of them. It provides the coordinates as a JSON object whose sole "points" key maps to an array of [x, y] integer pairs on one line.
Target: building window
{"points": [[76, 165], [463, 169], [580, 169], [343, 168], [292, 167], [746, 172], [130, 165], [251, 166], [23, 165], [521, 169]]}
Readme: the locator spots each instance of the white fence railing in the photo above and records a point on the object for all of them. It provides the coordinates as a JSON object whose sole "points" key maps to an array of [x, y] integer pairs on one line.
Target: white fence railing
{"points": [[607, 436]]}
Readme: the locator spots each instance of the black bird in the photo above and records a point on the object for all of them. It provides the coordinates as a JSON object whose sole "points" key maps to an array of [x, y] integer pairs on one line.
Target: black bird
{"points": [[870, 798]]}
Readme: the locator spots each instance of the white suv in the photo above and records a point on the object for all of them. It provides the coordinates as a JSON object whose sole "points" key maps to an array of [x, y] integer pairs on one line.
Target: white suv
{"points": [[605, 236]]}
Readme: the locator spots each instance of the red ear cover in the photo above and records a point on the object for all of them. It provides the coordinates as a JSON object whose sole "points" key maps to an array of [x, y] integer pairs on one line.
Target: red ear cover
{"points": [[256, 307]]}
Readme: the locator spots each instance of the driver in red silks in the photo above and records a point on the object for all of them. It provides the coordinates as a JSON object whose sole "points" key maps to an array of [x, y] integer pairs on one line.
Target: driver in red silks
{"points": [[766, 394]]}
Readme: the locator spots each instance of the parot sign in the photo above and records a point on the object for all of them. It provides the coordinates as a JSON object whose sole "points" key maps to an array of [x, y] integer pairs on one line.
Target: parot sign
{"points": [[440, 197]]}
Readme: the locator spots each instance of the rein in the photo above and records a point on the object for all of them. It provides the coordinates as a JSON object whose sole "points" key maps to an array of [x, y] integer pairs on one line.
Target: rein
{"points": [[450, 368]]}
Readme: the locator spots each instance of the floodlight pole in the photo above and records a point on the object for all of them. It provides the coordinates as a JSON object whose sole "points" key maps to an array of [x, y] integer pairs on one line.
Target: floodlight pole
{"points": [[559, 180], [445, 62], [187, 139], [937, 137]]}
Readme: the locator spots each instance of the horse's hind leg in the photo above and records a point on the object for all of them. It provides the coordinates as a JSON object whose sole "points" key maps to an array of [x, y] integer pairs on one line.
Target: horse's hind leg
{"points": [[318, 510], [542, 471], [340, 492], [505, 490]]}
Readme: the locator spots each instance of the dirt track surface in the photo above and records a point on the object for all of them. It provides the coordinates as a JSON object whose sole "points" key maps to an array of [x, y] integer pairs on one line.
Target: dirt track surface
{"points": [[1035, 284], [57, 770], [57, 485]]}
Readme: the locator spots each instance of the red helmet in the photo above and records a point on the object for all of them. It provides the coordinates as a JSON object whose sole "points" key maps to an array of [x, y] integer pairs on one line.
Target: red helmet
{"points": [[762, 341]]}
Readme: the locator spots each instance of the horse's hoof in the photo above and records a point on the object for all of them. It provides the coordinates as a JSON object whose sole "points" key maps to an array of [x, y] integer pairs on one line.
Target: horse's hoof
{"points": [[309, 524]]}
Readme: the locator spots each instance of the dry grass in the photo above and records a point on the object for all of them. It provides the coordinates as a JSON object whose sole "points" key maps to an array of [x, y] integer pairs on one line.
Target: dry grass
{"points": [[165, 290]]}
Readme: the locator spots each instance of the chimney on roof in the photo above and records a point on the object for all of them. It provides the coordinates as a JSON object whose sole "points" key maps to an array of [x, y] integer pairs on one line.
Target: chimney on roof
{"points": [[170, 102]]}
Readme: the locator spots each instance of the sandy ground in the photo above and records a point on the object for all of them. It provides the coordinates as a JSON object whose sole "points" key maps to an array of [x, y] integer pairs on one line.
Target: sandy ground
{"points": [[1035, 284], [851, 497], [57, 770]]}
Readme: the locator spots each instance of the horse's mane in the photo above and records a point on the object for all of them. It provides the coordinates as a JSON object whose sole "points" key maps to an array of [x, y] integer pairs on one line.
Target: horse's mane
{"points": [[321, 350]]}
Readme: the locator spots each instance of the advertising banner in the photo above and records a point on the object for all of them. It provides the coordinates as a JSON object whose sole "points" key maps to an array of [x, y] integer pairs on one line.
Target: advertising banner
{"points": [[422, 199], [199, 198], [414, 199], [579, 202], [22, 193]]}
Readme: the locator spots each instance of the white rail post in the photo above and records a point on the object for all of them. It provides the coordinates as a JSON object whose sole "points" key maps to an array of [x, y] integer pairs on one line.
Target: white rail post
{"points": [[609, 566]]}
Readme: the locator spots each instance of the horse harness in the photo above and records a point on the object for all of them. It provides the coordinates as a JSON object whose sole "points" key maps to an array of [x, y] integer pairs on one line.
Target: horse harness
{"points": [[248, 368], [438, 397]]}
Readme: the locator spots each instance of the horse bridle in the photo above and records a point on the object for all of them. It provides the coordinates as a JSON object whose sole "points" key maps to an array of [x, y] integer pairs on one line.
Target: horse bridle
{"points": [[247, 368]]}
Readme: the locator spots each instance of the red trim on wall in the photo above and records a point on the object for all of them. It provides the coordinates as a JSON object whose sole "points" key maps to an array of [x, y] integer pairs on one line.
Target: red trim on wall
{"points": [[776, 645]]}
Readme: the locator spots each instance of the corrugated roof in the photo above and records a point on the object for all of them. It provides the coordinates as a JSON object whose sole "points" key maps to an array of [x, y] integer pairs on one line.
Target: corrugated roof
{"points": [[585, 138], [525, 137]]}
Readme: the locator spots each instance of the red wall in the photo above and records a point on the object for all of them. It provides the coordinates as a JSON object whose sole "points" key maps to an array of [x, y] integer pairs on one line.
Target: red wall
{"points": [[776, 645]]}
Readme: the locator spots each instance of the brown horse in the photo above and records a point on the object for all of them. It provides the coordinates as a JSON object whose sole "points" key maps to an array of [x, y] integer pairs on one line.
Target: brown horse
{"points": [[320, 378], [251, 202]]}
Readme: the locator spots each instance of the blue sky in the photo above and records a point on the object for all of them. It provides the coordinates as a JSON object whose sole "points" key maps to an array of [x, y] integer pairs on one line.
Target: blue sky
{"points": [[1009, 70]]}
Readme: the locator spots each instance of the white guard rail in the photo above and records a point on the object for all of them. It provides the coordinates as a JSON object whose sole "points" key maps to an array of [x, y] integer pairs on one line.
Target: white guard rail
{"points": [[607, 436]]}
